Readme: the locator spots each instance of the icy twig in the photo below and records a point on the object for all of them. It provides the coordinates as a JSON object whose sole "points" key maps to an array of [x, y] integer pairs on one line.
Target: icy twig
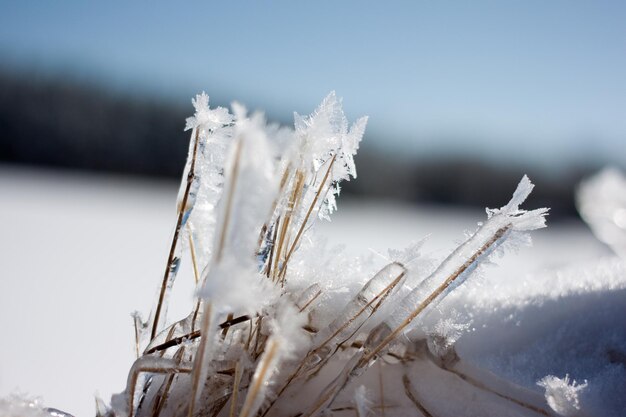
{"points": [[162, 397], [165, 283], [236, 381], [461, 263], [306, 218], [194, 259], [193, 335], [229, 203], [202, 358], [352, 317], [499, 234], [149, 364], [293, 201], [308, 296]]}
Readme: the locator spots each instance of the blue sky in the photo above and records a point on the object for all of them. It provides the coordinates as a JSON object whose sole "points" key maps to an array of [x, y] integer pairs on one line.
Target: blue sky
{"points": [[537, 80]]}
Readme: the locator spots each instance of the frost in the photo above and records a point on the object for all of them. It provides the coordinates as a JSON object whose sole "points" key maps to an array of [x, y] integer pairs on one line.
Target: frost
{"points": [[407, 255], [326, 136], [562, 395], [287, 329], [19, 405], [460, 264], [445, 334], [207, 119]]}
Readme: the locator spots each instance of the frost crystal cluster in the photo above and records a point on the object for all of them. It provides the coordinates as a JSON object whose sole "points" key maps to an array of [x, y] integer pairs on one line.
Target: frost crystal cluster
{"points": [[283, 327]]}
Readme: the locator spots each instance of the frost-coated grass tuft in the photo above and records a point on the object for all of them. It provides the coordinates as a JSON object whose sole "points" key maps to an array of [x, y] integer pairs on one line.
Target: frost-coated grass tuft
{"points": [[283, 327]]}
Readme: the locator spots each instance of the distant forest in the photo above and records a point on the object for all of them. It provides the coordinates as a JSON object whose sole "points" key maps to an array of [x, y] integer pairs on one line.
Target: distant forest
{"points": [[55, 122]]}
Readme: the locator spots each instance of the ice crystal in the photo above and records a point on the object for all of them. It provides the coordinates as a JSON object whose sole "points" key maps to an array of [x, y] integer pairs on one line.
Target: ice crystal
{"points": [[205, 118], [562, 395], [19, 405]]}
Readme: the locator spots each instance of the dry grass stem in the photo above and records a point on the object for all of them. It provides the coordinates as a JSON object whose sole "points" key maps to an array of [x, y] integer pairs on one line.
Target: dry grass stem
{"points": [[306, 217], [199, 360], [229, 202], [260, 378], [236, 381], [179, 223]]}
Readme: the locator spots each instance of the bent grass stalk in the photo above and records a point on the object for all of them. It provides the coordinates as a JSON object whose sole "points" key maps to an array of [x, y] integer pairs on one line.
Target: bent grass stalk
{"points": [[395, 332]]}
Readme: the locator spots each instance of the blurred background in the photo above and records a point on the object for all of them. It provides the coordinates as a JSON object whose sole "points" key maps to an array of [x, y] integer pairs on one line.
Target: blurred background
{"points": [[463, 98]]}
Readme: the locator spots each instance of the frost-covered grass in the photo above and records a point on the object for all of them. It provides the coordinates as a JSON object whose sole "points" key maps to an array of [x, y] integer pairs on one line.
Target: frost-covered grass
{"points": [[270, 334], [285, 324]]}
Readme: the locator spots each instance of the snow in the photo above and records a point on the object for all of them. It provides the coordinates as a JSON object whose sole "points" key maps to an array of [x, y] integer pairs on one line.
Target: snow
{"points": [[17, 405], [81, 253]]}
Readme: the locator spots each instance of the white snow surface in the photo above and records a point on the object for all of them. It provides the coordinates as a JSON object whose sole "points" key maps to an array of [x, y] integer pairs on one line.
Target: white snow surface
{"points": [[80, 253]]}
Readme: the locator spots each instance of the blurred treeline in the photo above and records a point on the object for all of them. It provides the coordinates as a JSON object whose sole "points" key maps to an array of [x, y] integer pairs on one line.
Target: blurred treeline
{"points": [[55, 122]]}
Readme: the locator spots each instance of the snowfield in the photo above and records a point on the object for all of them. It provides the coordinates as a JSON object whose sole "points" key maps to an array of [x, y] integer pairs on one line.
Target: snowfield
{"points": [[81, 252]]}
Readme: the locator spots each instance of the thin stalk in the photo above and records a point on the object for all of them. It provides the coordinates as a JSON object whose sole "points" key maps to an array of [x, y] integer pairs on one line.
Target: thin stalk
{"points": [[257, 335], [162, 398], [306, 217], [199, 359], [196, 275], [179, 223], [296, 192], [225, 329], [136, 337], [193, 335], [308, 303], [380, 297], [229, 202], [283, 182], [271, 257], [194, 261], [259, 380], [235, 395]]}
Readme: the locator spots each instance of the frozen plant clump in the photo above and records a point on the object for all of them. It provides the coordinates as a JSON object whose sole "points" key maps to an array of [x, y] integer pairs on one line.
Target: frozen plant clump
{"points": [[280, 325]]}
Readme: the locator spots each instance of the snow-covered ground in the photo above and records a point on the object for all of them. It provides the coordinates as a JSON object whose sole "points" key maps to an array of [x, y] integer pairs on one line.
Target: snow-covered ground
{"points": [[80, 252]]}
